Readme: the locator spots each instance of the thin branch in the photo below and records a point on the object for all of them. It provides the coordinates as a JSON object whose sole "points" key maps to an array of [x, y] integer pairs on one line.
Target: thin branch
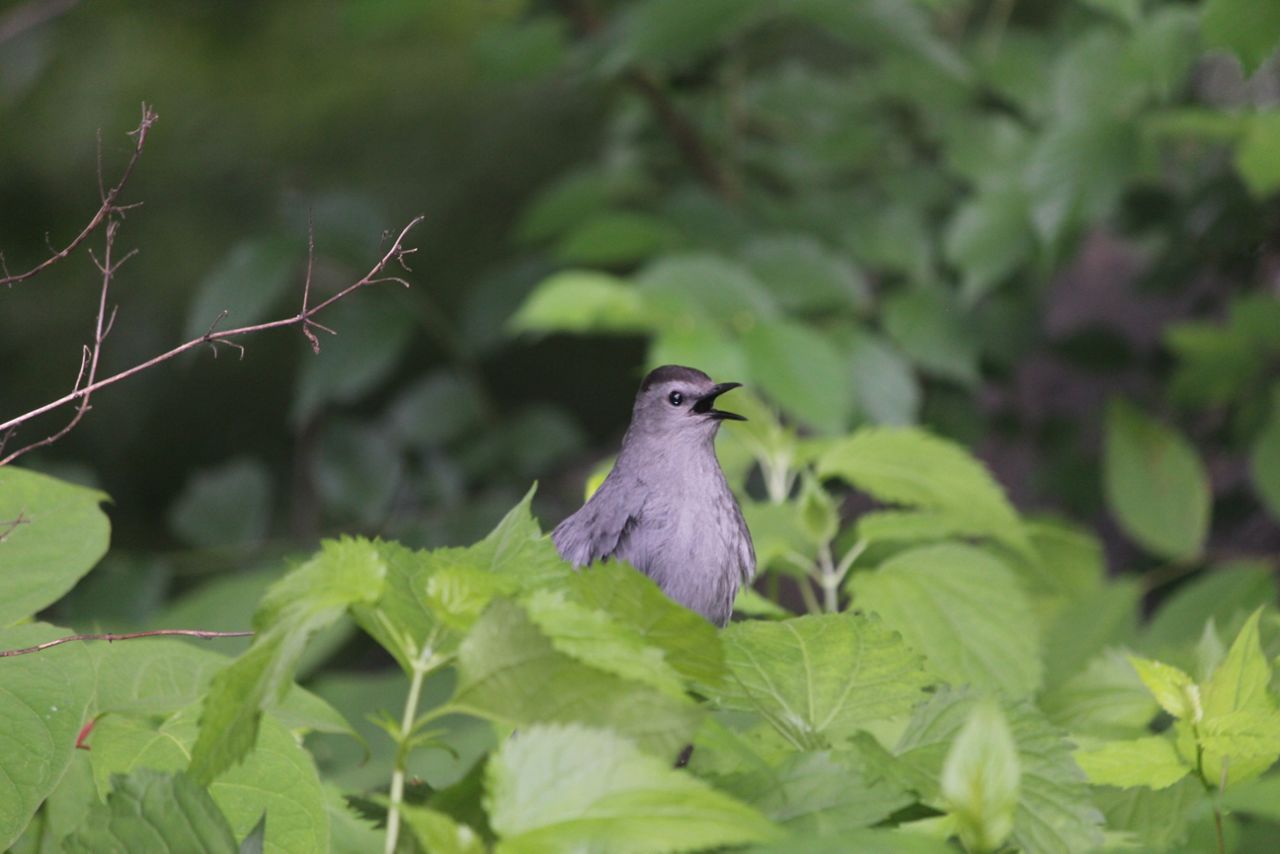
{"points": [[90, 355], [111, 637], [7, 528], [396, 254], [107, 207]]}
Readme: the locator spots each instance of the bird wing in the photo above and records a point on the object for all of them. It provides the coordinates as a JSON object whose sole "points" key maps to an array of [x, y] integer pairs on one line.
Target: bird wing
{"points": [[597, 530], [746, 551]]}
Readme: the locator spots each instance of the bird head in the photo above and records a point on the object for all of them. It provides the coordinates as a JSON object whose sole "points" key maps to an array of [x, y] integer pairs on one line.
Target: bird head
{"points": [[676, 401]]}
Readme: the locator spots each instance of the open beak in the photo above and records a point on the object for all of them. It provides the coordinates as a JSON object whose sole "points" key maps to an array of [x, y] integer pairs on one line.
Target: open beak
{"points": [[705, 404]]}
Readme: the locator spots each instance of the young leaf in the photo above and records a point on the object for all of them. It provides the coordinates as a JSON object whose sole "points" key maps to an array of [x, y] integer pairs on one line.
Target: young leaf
{"points": [[1155, 484], [152, 811], [1222, 594], [818, 679], [1240, 682], [560, 788], [42, 706], [981, 777], [344, 573], [942, 599], [39, 561], [1174, 690], [1233, 748], [912, 467], [1152, 762]]}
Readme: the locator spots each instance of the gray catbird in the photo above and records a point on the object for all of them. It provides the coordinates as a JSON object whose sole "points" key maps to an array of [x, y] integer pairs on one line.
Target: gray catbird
{"points": [[666, 508]]}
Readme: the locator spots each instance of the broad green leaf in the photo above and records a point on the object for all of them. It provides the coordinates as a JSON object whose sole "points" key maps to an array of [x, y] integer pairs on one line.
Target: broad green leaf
{"points": [[700, 342], [906, 526], [54, 532], [248, 281], [820, 792], [561, 788], [440, 834], [583, 301], [1070, 559], [1174, 690], [804, 276], [152, 811], [962, 608], [1076, 172], [457, 595], [565, 203], [226, 506], [801, 371], [914, 468], [1054, 812], [1224, 594], [1219, 362], [709, 285], [1156, 487], [311, 597], [1106, 699], [44, 701], [1240, 682], [509, 671], [1259, 797], [278, 776], [691, 646], [1232, 748], [885, 388], [988, 238], [356, 468], [617, 237], [1084, 627], [1249, 30], [1154, 819], [981, 777], [1151, 761], [437, 409], [932, 331], [1257, 151], [1264, 462], [819, 679]]}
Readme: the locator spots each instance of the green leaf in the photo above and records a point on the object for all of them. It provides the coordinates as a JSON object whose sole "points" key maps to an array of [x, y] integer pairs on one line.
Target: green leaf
{"points": [[509, 671], [933, 332], [356, 468], [43, 703], [245, 284], [819, 679], [568, 201], [308, 599], [1174, 690], [885, 388], [437, 409], [1232, 748], [988, 238], [1223, 594], [617, 238], [906, 526], [1240, 682], [709, 285], [672, 32], [151, 811], [802, 372], [1076, 171], [55, 533], [1152, 762], [912, 467], [1249, 30], [1129, 11], [226, 506], [943, 598], [1259, 798], [1106, 699], [1054, 812], [583, 301], [1156, 487], [440, 834], [561, 788], [1154, 819], [1106, 617], [1258, 152], [804, 276], [981, 777], [820, 792], [1264, 462], [1071, 560]]}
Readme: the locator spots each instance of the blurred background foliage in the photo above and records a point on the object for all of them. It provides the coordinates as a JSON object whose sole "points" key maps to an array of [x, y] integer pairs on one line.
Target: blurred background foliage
{"points": [[1047, 230]]}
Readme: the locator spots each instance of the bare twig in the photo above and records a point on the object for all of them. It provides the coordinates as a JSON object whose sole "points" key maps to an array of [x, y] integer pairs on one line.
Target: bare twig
{"points": [[107, 207], [396, 254], [7, 528], [110, 637]]}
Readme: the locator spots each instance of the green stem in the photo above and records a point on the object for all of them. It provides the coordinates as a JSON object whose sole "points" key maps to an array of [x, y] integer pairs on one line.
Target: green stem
{"points": [[424, 664], [829, 580]]}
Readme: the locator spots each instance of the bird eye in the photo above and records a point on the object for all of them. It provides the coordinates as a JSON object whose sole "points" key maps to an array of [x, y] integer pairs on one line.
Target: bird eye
{"points": [[676, 398]]}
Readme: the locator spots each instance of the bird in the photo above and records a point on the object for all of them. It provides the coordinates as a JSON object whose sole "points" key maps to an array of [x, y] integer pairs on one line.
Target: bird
{"points": [[666, 507]]}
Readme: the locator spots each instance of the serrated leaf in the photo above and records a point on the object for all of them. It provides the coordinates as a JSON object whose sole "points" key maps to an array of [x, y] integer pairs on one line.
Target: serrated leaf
{"points": [[1054, 812], [1156, 486], [151, 811], [981, 778], [582, 301], [558, 788], [942, 599], [1152, 762], [818, 679], [54, 533], [1232, 748], [309, 598], [42, 706], [509, 671], [911, 467], [906, 526], [1175, 691], [1240, 682]]}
